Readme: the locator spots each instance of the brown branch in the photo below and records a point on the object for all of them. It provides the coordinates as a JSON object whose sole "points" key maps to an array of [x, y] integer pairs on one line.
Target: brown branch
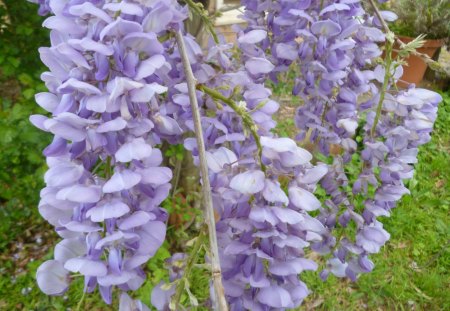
{"points": [[206, 186]]}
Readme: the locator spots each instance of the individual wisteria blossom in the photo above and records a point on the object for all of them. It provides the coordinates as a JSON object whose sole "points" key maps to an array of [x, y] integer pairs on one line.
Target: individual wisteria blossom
{"points": [[117, 90]]}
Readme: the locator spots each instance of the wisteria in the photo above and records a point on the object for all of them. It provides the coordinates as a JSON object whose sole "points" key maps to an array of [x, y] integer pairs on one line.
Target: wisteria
{"points": [[118, 90]]}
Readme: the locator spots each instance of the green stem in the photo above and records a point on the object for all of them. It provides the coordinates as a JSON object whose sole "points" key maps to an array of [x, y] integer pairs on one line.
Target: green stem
{"points": [[108, 168], [192, 260], [387, 77], [199, 9], [246, 118], [80, 303]]}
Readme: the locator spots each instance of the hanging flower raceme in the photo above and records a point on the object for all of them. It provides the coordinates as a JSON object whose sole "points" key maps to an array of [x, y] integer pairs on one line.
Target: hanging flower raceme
{"points": [[105, 182], [340, 84]]}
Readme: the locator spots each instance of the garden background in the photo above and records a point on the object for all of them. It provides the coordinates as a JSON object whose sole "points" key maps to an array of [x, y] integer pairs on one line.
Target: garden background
{"points": [[412, 272]]}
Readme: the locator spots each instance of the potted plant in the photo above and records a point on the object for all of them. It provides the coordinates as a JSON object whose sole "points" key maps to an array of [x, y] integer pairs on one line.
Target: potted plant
{"points": [[417, 17]]}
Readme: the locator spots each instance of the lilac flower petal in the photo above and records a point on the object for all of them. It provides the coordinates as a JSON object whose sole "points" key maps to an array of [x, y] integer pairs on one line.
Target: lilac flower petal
{"points": [[112, 126], [80, 194], [257, 65], [86, 266], [156, 175], [137, 149], [279, 144], [46, 100], [125, 8], [70, 248], [287, 215], [108, 210], [124, 180], [249, 182], [275, 297], [303, 199], [326, 28], [263, 214], [148, 66], [52, 278], [253, 36], [146, 93], [273, 193], [72, 85], [63, 174], [120, 28], [137, 219]]}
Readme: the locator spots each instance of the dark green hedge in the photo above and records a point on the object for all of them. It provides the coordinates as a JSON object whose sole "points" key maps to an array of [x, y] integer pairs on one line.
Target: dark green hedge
{"points": [[21, 161]]}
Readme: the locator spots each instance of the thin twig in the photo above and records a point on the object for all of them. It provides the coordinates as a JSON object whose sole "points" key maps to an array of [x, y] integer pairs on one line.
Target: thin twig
{"points": [[246, 119], [427, 59], [206, 186], [192, 260]]}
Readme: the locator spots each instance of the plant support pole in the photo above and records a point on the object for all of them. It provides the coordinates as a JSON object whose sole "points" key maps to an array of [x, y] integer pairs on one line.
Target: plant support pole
{"points": [[206, 186]]}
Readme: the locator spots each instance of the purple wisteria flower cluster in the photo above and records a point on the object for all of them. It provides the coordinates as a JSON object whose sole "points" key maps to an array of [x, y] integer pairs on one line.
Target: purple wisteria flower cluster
{"points": [[336, 46], [117, 91], [105, 183]]}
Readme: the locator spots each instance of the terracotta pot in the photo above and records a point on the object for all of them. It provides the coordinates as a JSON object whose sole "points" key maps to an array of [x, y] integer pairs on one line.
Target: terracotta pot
{"points": [[415, 70]]}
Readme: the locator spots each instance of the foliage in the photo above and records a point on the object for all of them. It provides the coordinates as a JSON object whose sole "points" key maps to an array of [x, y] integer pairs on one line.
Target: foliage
{"points": [[429, 17], [20, 145]]}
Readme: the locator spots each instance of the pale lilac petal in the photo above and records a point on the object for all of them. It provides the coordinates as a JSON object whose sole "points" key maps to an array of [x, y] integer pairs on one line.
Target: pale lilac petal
{"points": [[88, 8], [72, 85], [64, 130], [273, 193], [137, 149], [287, 215], [156, 175], [120, 85], [303, 199], [312, 176], [97, 103], [147, 67], [146, 93], [263, 214], [136, 220], [124, 180], [70, 248], [112, 126], [326, 28], [120, 28], [219, 158], [63, 174], [249, 182], [116, 279], [87, 44], [48, 101], [292, 266], [274, 296], [253, 36], [86, 266], [257, 65], [125, 8], [80, 194], [167, 125], [108, 210], [279, 144], [52, 278]]}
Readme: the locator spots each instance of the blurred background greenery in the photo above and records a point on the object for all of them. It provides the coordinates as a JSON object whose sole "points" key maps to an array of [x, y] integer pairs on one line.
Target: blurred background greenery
{"points": [[412, 272]]}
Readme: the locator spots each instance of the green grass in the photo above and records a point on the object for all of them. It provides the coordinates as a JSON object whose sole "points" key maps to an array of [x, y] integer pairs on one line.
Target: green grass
{"points": [[411, 272]]}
